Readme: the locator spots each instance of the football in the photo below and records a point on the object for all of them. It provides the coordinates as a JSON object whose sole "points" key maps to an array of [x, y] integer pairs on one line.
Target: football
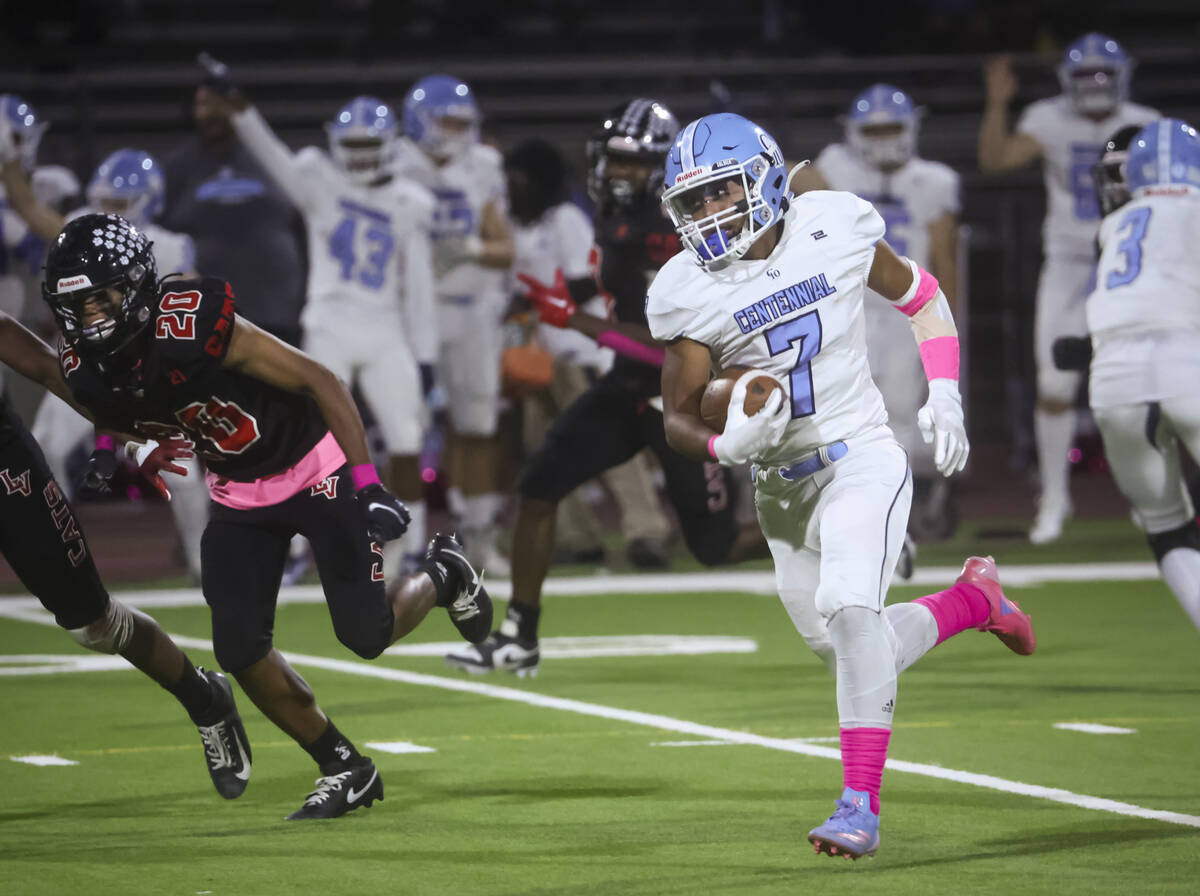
{"points": [[714, 403]]}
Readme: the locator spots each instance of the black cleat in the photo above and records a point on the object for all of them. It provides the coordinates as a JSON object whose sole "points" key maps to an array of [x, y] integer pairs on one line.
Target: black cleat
{"points": [[337, 794], [465, 599], [226, 747], [498, 652]]}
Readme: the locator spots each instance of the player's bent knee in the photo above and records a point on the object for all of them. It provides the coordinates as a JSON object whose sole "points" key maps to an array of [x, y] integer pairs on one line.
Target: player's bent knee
{"points": [[111, 633], [365, 638], [1186, 536]]}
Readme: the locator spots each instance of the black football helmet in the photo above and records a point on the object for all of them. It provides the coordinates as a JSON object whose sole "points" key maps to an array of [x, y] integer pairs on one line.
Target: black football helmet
{"points": [[641, 128], [91, 255], [1108, 174]]}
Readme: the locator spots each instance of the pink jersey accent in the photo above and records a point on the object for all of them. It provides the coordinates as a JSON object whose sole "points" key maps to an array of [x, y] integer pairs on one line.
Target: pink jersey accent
{"points": [[864, 751], [927, 288], [939, 357], [104, 442], [711, 440], [364, 475], [956, 609], [325, 457], [631, 348]]}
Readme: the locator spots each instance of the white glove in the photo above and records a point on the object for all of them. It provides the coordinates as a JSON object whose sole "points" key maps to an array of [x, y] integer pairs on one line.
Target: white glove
{"points": [[941, 424], [8, 144], [450, 253], [747, 437]]}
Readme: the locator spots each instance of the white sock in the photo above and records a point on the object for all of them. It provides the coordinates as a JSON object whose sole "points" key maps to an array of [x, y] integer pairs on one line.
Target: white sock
{"points": [[914, 633], [1054, 433], [866, 670], [1181, 568], [399, 554], [479, 511]]}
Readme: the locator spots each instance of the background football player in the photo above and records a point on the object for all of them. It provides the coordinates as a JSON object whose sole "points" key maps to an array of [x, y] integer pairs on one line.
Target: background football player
{"points": [[1144, 320], [130, 183], [918, 201], [370, 311], [473, 248], [1066, 133], [614, 419]]}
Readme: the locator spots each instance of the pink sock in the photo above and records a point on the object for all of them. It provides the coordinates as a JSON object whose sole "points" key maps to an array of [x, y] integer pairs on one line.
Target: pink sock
{"points": [[864, 751], [956, 609]]}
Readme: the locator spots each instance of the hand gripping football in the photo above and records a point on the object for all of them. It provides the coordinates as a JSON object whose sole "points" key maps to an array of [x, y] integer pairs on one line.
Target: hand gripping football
{"points": [[714, 403]]}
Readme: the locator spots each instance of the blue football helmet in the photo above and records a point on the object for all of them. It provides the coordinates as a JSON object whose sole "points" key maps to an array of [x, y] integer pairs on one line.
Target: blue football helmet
{"points": [[1094, 74], [1164, 152], [881, 126], [362, 137], [441, 117], [128, 183], [27, 130], [710, 155]]}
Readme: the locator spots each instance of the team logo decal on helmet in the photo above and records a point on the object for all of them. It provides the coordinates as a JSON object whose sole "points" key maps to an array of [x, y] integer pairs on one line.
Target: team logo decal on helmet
{"points": [[715, 159], [1095, 73], [642, 129], [441, 116], [881, 126], [1164, 152], [93, 257], [129, 183], [362, 137]]}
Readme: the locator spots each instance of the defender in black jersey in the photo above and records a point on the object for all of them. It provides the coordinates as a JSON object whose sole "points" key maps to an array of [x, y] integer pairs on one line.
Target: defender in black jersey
{"points": [[43, 543], [285, 452], [617, 417]]}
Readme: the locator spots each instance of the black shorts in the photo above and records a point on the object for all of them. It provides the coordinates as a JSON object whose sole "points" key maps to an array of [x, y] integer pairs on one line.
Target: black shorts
{"points": [[606, 426], [39, 535], [242, 558]]}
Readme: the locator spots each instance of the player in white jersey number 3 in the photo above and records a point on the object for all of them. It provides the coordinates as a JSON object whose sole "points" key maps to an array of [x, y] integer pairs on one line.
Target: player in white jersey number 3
{"points": [[776, 282]]}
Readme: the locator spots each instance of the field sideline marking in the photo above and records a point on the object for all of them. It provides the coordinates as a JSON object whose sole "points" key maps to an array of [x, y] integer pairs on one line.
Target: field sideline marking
{"points": [[693, 729]]}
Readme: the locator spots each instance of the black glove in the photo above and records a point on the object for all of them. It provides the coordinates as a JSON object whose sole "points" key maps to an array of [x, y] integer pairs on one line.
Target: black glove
{"points": [[427, 379], [387, 517], [216, 75], [100, 469], [1072, 352]]}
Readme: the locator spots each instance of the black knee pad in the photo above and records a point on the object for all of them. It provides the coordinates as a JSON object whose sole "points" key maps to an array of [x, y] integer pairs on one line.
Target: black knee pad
{"points": [[1186, 536], [365, 634], [237, 653]]}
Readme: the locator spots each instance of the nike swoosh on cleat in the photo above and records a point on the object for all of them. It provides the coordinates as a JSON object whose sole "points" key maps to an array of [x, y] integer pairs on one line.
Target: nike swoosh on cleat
{"points": [[352, 797], [244, 774]]}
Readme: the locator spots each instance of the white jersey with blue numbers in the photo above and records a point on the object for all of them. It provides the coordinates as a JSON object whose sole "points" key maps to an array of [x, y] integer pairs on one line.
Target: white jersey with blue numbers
{"points": [[368, 246], [797, 314], [1144, 314], [21, 250], [463, 187], [1071, 145]]}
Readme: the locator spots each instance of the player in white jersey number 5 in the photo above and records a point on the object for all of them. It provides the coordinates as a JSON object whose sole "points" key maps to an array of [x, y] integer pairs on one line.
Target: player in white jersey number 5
{"points": [[1144, 318], [777, 283]]}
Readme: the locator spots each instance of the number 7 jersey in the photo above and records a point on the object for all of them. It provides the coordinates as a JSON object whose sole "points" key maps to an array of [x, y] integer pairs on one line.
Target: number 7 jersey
{"points": [[797, 314]]}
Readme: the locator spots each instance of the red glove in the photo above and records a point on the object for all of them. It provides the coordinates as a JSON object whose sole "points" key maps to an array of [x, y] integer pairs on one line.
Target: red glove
{"points": [[153, 463], [553, 303]]}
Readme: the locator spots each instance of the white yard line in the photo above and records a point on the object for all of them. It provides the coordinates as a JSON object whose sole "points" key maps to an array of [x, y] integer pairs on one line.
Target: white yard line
{"points": [[690, 729]]}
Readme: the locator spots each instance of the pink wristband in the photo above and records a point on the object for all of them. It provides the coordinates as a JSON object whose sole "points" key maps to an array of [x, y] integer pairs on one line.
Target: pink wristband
{"points": [[105, 443], [631, 348], [927, 288], [939, 357], [712, 439], [364, 475]]}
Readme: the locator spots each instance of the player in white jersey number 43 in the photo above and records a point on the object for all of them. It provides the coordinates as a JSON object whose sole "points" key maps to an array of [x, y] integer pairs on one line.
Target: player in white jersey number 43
{"points": [[777, 282]]}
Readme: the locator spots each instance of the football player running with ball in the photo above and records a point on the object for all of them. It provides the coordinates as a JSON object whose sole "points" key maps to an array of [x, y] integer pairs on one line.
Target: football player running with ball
{"points": [[285, 452], [777, 283]]}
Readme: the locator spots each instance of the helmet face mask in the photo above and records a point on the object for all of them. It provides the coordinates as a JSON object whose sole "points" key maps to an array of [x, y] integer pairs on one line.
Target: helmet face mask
{"points": [[1109, 173], [362, 138], [441, 117], [626, 157], [881, 127], [129, 183], [101, 283], [1095, 74], [726, 186]]}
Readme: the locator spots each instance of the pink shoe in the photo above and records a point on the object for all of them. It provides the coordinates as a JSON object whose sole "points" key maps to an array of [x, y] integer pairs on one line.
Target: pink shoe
{"points": [[1006, 621]]}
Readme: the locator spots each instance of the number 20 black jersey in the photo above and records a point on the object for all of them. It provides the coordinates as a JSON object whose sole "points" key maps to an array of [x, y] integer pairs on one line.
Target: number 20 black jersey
{"points": [[243, 428]]}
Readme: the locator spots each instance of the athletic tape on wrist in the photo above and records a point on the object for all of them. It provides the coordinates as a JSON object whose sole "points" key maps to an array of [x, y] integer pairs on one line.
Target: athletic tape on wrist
{"points": [[924, 287], [939, 357], [712, 442], [364, 475]]}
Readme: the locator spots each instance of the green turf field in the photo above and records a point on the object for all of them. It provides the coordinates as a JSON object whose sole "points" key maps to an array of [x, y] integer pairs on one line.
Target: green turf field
{"points": [[586, 794]]}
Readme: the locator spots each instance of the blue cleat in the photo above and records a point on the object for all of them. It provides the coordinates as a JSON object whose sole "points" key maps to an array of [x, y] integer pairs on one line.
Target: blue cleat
{"points": [[852, 831]]}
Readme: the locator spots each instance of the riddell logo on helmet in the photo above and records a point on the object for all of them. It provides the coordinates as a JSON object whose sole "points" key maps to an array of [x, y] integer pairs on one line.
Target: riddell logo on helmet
{"points": [[70, 284], [688, 175]]}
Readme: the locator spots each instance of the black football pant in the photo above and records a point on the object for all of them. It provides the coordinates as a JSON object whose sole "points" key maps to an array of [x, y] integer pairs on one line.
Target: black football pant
{"points": [[242, 558], [606, 426], [39, 535]]}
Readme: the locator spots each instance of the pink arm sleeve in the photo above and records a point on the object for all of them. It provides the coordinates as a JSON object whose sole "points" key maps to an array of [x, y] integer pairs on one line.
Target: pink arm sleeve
{"points": [[631, 348]]}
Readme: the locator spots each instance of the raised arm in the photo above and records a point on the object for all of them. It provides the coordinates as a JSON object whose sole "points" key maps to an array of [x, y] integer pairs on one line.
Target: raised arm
{"points": [[999, 148], [271, 153], [39, 217]]}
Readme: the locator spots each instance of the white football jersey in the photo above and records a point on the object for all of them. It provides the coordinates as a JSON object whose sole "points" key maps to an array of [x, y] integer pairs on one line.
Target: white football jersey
{"points": [[561, 239], [22, 251], [174, 253], [462, 188], [368, 246], [797, 314], [1071, 145]]}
